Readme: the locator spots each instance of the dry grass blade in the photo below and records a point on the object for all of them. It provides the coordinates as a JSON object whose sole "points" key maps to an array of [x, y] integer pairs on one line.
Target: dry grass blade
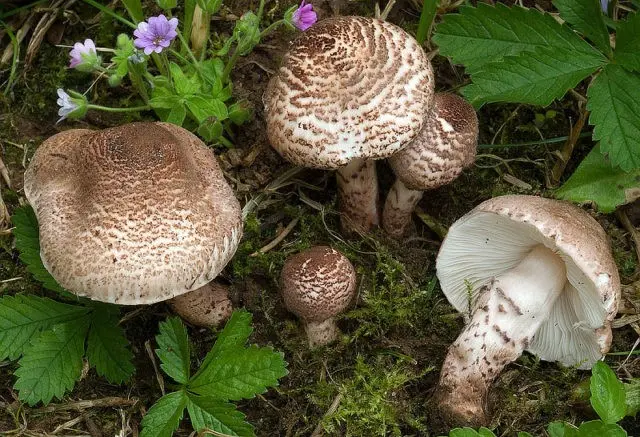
{"points": [[46, 21], [8, 53], [107, 402], [281, 236]]}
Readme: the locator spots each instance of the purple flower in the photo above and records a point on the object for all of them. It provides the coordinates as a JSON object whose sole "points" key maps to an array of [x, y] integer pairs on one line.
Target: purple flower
{"points": [[304, 17], [84, 56], [156, 34], [71, 106], [604, 4]]}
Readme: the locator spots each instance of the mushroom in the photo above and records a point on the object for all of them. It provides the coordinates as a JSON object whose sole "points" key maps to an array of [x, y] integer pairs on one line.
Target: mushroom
{"points": [[350, 90], [529, 274], [317, 285], [134, 214], [445, 146], [207, 306]]}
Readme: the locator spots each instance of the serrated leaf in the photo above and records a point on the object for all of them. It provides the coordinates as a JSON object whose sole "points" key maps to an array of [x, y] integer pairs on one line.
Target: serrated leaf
{"points": [[596, 181], [627, 51], [607, 393], [185, 86], [478, 36], [632, 396], [536, 77], [240, 374], [597, 428], [173, 349], [164, 416], [203, 108], [613, 102], [52, 364], [463, 432], [234, 335], [107, 348], [23, 317], [28, 244], [586, 17], [215, 415]]}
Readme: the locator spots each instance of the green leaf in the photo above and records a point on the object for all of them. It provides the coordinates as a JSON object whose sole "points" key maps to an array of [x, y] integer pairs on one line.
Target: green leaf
{"points": [[185, 86], [210, 130], [596, 181], [536, 77], [173, 349], [28, 244], [632, 396], [23, 317], [165, 101], [561, 429], [586, 17], [238, 114], [107, 348], [164, 416], [596, 428], [524, 434], [240, 374], [613, 102], [215, 415], [627, 51], [463, 432], [607, 394], [203, 108], [478, 36], [485, 432], [234, 335], [124, 49], [177, 115], [52, 363]]}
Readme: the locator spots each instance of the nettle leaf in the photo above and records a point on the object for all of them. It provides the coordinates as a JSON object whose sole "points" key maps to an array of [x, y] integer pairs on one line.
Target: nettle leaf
{"points": [[627, 51], [478, 36], [632, 396], [234, 336], [536, 77], [164, 416], [600, 429], [52, 363], [613, 99], [596, 181], [607, 394], [586, 17], [216, 415], [107, 348], [22, 318], [28, 244], [173, 349]]}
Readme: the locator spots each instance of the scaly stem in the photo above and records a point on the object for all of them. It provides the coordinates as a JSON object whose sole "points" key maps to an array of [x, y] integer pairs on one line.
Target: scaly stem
{"points": [[400, 203], [358, 196]]}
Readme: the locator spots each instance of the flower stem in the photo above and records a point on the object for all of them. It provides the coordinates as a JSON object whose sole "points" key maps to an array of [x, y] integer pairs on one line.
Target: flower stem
{"points": [[270, 28], [108, 109]]}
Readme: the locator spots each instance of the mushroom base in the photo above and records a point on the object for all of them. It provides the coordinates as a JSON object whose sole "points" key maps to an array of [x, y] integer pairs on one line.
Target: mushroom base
{"points": [[508, 312], [400, 203], [321, 333], [358, 193]]}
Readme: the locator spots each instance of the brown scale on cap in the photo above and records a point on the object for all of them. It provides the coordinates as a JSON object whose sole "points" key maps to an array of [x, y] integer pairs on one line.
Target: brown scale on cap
{"points": [[350, 89], [134, 214], [445, 146], [207, 306], [317, 285]]}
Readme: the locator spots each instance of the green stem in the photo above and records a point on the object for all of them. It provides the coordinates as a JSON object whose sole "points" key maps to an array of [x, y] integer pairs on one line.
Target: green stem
{"points": [[429, 8], [108, 109], [270, 28], [185, 45], [109, 12], [230, 65], [531, 143]]}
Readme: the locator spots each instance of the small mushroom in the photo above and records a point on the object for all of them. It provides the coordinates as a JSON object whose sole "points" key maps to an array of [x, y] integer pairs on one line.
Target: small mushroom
{"points": [[317, 285], [529, 274], [445, 146], [350, 90], [134, 214], [208, 306]]}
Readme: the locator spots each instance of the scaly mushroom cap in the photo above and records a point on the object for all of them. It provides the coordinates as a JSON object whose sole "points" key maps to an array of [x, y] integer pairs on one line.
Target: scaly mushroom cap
{"points": [[350, 87], [134, 214], [207, 306], [495, 236], [318, 283], [445, 146]]}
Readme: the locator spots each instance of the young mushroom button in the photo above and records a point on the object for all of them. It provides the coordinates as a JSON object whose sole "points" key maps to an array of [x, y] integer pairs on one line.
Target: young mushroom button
{"points": [[350, 90], [134, 214], [445, 146], [317, 285], [530, 274]]}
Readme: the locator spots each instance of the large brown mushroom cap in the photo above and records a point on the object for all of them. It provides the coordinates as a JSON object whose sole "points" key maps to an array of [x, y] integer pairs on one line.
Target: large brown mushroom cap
{"points": [[349, 88], [445, 146], [134, 214], [499, 232], [318, 283]]}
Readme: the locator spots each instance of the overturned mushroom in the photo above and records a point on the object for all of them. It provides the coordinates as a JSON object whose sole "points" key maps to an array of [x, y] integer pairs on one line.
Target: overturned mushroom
{"points": [[529, 274], [134, 214], [445, 146], [317, 285], [350, 90]]}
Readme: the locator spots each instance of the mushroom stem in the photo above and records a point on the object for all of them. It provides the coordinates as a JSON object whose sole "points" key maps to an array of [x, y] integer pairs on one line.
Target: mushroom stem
{"points": [[507, 314], [358, 192], [400, 203], [321, 333]]}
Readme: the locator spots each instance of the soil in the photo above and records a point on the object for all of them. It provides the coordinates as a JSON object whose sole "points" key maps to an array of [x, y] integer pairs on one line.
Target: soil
{"points": [[396, 334]]}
